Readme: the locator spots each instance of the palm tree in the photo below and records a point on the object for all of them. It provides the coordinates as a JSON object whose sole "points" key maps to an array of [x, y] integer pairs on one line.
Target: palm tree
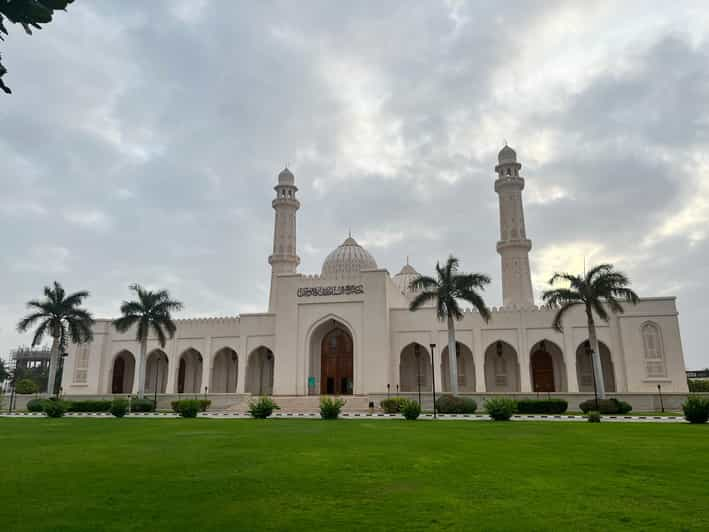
{"points": [[62, 318], [446, 290], [150, 311], [601, 286]]}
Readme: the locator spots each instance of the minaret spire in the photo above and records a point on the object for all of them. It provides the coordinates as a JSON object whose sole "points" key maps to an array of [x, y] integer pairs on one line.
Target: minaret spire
{"points": [[513, 246], [284, 258]]}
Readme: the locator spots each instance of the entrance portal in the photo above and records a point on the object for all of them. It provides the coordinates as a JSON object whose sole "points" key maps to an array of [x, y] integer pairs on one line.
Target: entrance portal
{"points": [[542, 371], [336, 372]]}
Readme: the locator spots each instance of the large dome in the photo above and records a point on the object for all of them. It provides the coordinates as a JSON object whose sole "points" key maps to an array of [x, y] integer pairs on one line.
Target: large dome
{"points": [[349, 258]]}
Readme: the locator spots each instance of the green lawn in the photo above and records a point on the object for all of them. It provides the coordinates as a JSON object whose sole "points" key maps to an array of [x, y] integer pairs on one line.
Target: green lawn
{"points": [[216, 474]]}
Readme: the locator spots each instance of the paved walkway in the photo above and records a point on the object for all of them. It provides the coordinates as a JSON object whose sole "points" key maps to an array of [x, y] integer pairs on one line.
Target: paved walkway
{"points": [[356, 415]]}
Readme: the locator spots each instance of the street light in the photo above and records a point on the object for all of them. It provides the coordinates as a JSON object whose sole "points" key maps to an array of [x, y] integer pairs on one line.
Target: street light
{"points": [[662, 405], [433, 377]]}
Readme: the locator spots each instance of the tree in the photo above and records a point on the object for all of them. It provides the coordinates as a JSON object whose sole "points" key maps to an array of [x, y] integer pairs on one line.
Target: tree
{"points": [[61, 317], [4, 372], [602, 286], [29, 14], [151, 311], [445, 291]]}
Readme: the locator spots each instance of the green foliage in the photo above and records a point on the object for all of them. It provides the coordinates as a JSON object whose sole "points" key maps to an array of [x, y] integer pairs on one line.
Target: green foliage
{"points": [[142, 405], [36, 405], [4, 371], [452, 404], [392, 405], [119, 407], [542, 406], [606, 406], [696, 409], [330, 407], [411, 410], [88, 406], [26, 387], [262, 408], [500, 409], [54, 408], [698, 385], [187, 407], [204, 404], [594, 416]]}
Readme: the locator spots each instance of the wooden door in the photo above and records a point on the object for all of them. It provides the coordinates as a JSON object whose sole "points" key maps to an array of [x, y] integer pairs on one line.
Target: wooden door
{"points": [[119, 371], [336, 373], [543, 372]]}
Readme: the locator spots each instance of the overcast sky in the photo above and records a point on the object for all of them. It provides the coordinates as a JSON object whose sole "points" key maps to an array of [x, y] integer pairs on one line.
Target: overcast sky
{"points": [[144, 138]]}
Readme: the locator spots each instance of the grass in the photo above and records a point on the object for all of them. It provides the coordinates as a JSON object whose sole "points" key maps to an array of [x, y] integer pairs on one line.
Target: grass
{"points": [[212, 474]]}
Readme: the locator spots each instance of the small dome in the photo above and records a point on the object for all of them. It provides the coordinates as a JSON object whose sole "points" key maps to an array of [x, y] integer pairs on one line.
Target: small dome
{"points": [[286, 177], [349, 258], [507, 155], [403, 279]]}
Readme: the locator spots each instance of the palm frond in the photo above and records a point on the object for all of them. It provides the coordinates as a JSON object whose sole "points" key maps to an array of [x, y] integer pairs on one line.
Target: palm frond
{"points": [[157, 327], [40, 332], [124, 323], [597, 305], [478, 303], [560, 296], [467, 281], [423, 282], [563, 309], [29, 320], [421, 299]]}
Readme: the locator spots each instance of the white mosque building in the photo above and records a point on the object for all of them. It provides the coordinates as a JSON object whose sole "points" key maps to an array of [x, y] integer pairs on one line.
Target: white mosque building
{"points": [[349, 331]]}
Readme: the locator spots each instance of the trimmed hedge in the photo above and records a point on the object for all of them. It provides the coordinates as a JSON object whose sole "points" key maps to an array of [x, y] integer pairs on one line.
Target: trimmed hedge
{"points": [[119, 407], [606, 406], [696, 409], [542, 406], [594, 417], [36, 405], [54, 408], [204, 404], [142, 405], [452, 404], [393, 405], [88, 406], [188, 407], [500, 409], [26, 387]]}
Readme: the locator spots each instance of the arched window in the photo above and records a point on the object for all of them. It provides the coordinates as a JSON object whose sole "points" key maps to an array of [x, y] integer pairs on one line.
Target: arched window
{"points": [[654, 352], [500, 371]]}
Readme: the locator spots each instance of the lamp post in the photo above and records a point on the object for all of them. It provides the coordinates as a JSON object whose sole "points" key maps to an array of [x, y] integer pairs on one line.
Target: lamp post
{"points": [[388, 388], [662, 404], [433, 377]]}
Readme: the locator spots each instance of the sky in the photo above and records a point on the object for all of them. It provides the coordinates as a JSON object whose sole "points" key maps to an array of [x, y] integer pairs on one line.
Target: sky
{"points": [[143, 141]]}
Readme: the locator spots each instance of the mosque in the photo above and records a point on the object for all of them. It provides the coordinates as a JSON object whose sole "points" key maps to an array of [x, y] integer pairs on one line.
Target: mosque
{"points": [[349, 331]]}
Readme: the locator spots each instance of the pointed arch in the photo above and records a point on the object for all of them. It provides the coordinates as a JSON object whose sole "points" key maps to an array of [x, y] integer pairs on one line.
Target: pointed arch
{"points": [[225, 371], [156, 371], [501, 368], [584, 367], [547, 368], [415, 368], [341, 369], [465, 365], [189, 371], [260, 371], [122, 372]]}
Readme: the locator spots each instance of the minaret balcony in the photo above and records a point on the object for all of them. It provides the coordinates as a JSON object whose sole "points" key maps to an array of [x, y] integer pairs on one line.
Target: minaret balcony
{"points": [[507, 182], [285, 202], [522, 243]]}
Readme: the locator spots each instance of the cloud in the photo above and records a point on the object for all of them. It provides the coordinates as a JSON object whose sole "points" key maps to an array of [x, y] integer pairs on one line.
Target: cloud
{"points": [[154, 160]]}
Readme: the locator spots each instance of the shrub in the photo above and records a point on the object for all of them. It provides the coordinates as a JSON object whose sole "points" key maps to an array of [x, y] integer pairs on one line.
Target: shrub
{"points": [[594, 416], [330, 407], [36, 405], [500, 409], [54, 408], [542, 406], [696, 409], [452, 404], [411, 410], [393, 405], [606, 406], [88, 406], [204, 404], [142, 405], [188, 407], [26, 386], [262, 408], [698, 385], [119, 407]]}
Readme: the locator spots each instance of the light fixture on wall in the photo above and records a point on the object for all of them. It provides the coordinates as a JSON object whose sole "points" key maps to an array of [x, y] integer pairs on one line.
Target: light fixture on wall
{"points": [[498, 348]]}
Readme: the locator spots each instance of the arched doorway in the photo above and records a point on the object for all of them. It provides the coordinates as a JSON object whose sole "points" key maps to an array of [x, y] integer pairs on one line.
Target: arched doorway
{"points": [[465, 366], [501, 368], [415, 369], [225, 371], [259, 371], [122, 372], [336, 371], [189, 372], [156, 372], [584, 367], [547, 368]]}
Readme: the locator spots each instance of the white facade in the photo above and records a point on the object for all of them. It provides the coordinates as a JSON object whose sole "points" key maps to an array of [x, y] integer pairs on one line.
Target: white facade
{"points": [[349, 331]]}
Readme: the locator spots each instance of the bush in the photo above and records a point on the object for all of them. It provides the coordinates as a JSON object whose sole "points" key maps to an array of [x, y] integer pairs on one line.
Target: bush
{"points": [[330, 407], [142, 405], [606, 406], [54, 408], [696, 409], [119, 407], [594, 416], [393, 405], [26, 386], [36, 405], [88, 406], [204, 404], [452, 404], [500, 409], [542, 406], [411, 410], [698, 385], [262, 408], [187, 407]]}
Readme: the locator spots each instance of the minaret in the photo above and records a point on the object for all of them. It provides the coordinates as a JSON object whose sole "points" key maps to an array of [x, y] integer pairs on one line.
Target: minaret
{"points": [[514, 245], [284, 258]]}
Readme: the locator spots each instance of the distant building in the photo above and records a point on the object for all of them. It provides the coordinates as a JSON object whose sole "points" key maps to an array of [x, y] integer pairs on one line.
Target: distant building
{"points": [[698, 374], [32, 364]]}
